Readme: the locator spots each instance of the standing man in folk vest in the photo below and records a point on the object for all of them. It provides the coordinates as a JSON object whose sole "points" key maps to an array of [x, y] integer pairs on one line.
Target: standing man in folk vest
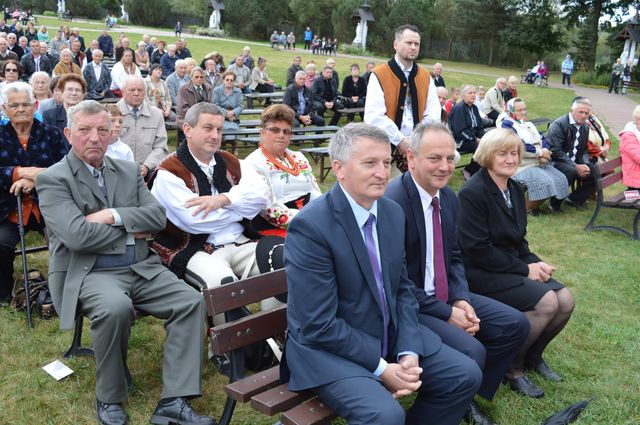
{"points": [[401, 94]]}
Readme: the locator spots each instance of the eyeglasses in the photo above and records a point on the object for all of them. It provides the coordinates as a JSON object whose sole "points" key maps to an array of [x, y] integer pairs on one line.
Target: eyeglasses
{"points": [[11, 70], [278, 130], [19, 105]]}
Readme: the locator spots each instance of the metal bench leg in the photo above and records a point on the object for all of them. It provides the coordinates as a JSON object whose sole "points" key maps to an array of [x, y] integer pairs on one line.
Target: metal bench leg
{"points": [[76, 348], [636, 222]]}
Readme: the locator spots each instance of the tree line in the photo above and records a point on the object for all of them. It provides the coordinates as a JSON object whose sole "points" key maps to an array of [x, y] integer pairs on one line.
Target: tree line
{"points": [[494, 32]]}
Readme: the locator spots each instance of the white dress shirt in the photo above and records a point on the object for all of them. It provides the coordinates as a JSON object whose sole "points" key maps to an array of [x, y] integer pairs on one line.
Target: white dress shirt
{"points": [[120, 150], [427, 208], [97, 70], [223, 225], [375, 109]]}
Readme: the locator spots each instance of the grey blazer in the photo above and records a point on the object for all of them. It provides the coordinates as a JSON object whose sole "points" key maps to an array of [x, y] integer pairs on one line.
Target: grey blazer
{"points": [[68, 192]]}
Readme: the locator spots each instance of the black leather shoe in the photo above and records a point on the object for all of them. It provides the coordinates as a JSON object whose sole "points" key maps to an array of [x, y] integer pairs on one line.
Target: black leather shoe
{"points": [[178, 411], [555, 206], [475, 416], [111, 413], [580, 207], [543, 369], [525, 386]]}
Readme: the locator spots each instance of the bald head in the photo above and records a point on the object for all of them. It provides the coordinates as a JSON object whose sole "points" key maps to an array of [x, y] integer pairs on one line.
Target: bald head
{"points": [[443, 95]]}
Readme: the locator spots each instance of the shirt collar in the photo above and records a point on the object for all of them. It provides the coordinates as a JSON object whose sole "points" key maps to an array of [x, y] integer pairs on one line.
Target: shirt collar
{"points": [[361, 214], [425, 197], [407, 70], [91, 168], [572, 121], [201, 164]]}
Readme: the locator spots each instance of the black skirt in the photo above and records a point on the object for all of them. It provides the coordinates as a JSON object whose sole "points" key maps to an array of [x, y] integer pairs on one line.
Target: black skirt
{"points": [[525, 297]]}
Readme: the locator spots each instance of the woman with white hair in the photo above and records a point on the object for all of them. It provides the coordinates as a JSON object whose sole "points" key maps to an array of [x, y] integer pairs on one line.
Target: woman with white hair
{"points": [[28, 147], [39, 82], [310, 69], [511, 91], [630, 151], [535, 172], [142, 57], [66, 65], [465, 121]]}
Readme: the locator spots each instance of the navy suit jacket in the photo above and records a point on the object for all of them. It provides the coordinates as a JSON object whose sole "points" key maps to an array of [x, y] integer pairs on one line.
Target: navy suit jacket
{"points": [[56, 117], [94, 86], [335, 325], [403, 190]]}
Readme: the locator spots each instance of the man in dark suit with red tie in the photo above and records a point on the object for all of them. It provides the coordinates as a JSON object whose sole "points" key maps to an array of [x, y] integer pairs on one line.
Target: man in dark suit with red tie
{"points": [[353, 332], [488, 331]]}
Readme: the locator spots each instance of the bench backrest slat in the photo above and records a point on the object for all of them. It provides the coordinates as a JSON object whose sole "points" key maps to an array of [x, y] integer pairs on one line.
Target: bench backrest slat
{"points": [[610, 180], [239, 294], [609, 166], [248, 330]]}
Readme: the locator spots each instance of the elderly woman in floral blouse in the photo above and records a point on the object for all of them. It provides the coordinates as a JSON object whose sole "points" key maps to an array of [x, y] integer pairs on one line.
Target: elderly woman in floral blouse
{"points": [[288, 173]]}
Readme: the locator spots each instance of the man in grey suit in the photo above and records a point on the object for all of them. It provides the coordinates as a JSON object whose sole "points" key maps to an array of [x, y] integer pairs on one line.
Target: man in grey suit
{"points": [[99, 213]]}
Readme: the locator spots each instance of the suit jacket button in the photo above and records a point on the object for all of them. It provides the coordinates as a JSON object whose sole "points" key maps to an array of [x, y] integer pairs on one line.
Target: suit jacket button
{"points": [[86, 267]]}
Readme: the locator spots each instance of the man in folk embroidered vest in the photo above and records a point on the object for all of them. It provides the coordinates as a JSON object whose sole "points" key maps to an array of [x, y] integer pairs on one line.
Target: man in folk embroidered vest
{"points": [[209, 196], [400, 93]]}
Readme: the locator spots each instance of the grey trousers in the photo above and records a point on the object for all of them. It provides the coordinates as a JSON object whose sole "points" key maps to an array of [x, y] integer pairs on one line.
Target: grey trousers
{"points": [[110, 297]]}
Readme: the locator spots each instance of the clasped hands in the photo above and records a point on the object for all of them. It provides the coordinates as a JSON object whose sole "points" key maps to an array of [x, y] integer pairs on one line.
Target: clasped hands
{"points": [[402, 378], [463, 316], [540, 271]]}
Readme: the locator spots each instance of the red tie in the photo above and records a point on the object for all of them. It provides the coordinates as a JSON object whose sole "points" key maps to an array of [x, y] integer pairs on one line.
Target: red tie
{"points": [[440, 273]]}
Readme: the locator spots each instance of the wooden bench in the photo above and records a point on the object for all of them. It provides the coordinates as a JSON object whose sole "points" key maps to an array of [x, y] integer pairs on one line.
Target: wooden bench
{"points": [[351, 112], [320, 154], [254, 111], [631, 85], [606, 176], [262, 389], [296, 139]]}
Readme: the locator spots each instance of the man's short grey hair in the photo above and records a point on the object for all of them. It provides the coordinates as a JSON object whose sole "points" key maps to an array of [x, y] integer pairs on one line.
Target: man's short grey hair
{"points": [[180, 62], [341, 145], [86, 107], [16, 87], [581, 101], [38, 74], [97, 51], [417, 137], [170, 46], [194, 112], [130, 79], [501, 80], [301, 74]]}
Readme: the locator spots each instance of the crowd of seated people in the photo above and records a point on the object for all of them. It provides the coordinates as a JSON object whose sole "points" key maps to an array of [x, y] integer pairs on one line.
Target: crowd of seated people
{"points": [[277, 182]]}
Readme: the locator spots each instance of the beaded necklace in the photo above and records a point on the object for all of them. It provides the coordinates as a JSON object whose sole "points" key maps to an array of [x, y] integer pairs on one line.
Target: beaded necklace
{"points": [[294, 170]]}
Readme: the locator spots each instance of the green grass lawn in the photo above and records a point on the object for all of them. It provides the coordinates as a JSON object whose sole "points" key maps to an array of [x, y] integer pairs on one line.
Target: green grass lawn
{"points": [[597, 353]]}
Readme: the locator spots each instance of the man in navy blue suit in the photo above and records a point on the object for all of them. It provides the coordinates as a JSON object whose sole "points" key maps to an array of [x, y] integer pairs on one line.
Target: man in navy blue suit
{"points": [[353, 332], [489, 332]]}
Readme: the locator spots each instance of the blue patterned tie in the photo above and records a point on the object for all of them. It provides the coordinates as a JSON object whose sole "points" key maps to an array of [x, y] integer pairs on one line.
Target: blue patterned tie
{"points": [[375, 264]]}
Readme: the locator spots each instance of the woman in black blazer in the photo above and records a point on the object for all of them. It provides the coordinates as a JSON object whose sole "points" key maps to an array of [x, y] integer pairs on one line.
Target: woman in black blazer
{"points": [[492, 225]]}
